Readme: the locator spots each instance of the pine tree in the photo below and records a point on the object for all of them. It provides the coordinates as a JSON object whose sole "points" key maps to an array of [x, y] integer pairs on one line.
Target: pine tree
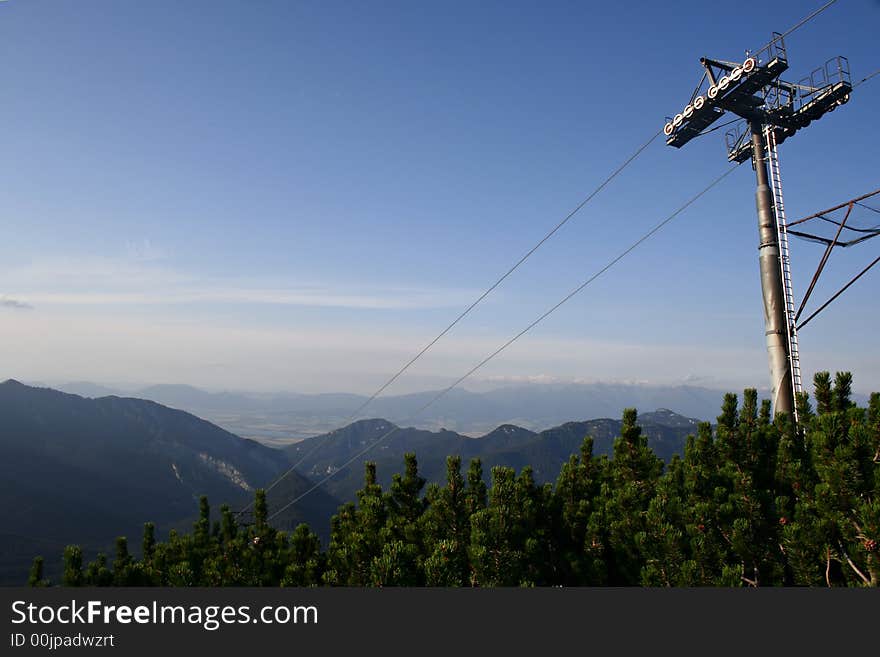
{"points": [[305, 560], [663, 542], [202, 528], [534, 520], [509, 537], [405, 504], [396, 565], [122, 564], [706, 513], [446, 526], [842, 391], [261, 512], [228, 525], [35, 577], [477, 494], [846, 496], [495, 552], [357, 535], [822, 389], [400, 562], [574, 502], [97, 573], [632, 478], [148, 544], [750, 449], [73, 562]]}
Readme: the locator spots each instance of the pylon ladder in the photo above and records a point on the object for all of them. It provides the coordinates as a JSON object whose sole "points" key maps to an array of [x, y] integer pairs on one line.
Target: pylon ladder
{"points": [[784, 261]]}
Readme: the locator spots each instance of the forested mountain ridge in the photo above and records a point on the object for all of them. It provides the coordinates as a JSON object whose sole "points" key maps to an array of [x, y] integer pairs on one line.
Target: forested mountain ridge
{"points": [[756, 502], [87, 470], [507, 445]]}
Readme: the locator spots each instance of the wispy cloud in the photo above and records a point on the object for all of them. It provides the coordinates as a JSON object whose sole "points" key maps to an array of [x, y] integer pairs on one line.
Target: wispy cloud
{"points": [[537, 379], [382, 300], [15, 304], [141, 279], [107, 345]]}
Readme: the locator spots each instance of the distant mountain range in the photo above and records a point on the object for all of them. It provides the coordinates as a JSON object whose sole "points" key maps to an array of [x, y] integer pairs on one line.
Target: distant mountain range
{"points": [[81, 470], [278, 419], [507, 445], [76, 470]]}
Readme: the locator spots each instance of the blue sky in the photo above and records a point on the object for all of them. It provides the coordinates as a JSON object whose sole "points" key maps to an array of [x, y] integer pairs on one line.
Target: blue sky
{"points": [[299, 195]]}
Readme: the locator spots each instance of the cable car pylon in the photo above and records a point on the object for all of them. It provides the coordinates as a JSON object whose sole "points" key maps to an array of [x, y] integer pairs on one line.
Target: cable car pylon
{"points": [[773, 110]]}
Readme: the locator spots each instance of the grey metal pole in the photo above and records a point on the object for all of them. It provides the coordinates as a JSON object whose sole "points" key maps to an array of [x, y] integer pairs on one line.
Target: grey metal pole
{"points": [[775, 323]]}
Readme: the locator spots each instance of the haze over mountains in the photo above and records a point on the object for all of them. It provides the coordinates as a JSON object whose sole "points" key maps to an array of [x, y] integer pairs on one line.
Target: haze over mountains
{"points": [[277, 419], [82, 470]]}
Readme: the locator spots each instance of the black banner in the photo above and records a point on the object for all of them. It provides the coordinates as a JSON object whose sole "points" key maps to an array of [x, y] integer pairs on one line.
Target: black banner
{"points": [[410, 621]]}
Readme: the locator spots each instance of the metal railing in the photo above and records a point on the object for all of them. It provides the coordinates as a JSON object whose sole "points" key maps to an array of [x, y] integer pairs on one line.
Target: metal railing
{"points": [[820, 79]]}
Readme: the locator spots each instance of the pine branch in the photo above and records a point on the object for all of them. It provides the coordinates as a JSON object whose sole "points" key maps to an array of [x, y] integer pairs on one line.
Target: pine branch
{"points": [[828, 568], [852, 565]]}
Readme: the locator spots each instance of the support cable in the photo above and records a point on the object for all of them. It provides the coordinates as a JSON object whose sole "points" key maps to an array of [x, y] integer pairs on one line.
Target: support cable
{"points": [[474, 304], [872, 209], [819, 239], [822, 263], [839, 292], [516, 337], [836, 207], [515, 266], [697, 88], [802, 22], [872, 229], [866, 78], [718, 127]]}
